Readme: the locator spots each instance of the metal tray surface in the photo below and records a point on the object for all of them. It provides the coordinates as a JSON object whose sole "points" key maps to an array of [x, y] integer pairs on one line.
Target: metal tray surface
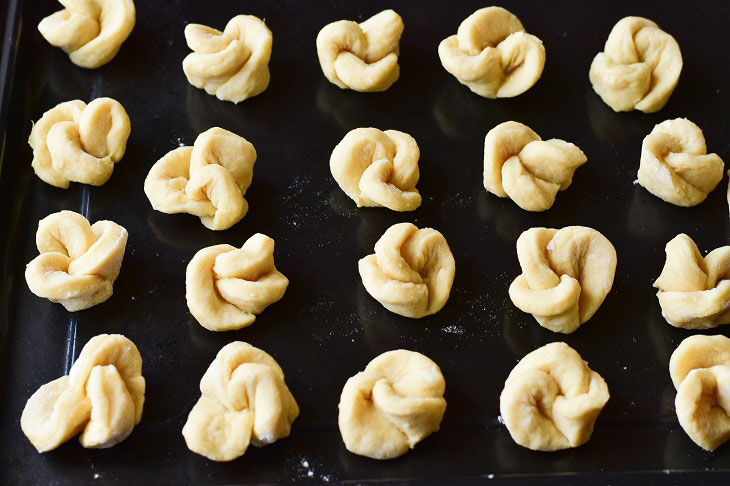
{"points": [[327, 327]]}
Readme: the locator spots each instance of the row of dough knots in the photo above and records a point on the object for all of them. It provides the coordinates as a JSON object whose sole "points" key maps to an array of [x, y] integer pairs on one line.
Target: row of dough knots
{"points": [[362, 57], [411, 272], [493, 55], [518, 164], [76, 142], [233, 65], [566, 275], [694, 292], [78, 262], [226, 287], [551, 399], [638, 68], [207, 180], [393, 404], [101, 398], [675, 165], [700, 371], [378, 169], [90, 31], [244, 400]]}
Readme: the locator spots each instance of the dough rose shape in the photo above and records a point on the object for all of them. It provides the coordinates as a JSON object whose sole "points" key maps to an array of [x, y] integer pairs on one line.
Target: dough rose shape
{"points": [[244, 400], [518, 164], [78, 142], [101, 398], [363, 57], [207, 180], [226, 287], [493, 55], [78, 262], [378, 169], [694, 292], [395, 403], [233, 65], [411, 271], [638, 68], [551, 399], [566, 274], [89, 31], [675, 165], [700, 371]]}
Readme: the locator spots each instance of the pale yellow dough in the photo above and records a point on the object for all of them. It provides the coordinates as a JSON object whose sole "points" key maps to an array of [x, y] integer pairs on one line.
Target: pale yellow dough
{"points": [[226, 287], [89, 31], [493, 55], [233, 65], [551, 399], [207, 180], [78, 262], [101, 398], [378, 169], [638, 68], [78, 142], [244, 400], [694, 292], [566, 275], [700, 371], [518, 164], [362, 57], [395, 403], [411, 271], [675, 165]]}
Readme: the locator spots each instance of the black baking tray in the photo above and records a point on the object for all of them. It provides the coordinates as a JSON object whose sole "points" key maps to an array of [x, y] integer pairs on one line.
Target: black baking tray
{"points": [[327, 327]]}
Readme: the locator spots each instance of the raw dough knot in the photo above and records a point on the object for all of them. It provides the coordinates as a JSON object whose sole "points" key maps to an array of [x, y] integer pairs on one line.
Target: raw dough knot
{"points": [[89, 31], [378, 169], [700, 371], [207, 180], [393, 404], [78, 142], [233, 65], [244, 400], [493, 55], [675, 165], [566, 274], [638, 68], [226, 287], [694, 292], [411, 271], [364, 56], [518, 164], [551, 399], [101, 398], [78, 262]]}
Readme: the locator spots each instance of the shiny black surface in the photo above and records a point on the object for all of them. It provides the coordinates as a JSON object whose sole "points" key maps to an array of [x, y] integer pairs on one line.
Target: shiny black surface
{"points": [[326, 328]]}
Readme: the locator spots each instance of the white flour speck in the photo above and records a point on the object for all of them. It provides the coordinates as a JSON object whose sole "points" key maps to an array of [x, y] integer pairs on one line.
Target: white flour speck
{"points": [[500, 419], [636, 181]]}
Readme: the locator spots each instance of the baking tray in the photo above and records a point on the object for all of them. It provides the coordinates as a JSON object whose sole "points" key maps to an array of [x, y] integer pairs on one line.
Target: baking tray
{"points": [[327, 327]]}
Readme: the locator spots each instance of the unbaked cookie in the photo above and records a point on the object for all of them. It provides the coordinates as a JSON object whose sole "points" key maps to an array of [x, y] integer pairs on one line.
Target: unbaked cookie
{"points": [[78, 262], [233, 65], [364, 56], [226, 287], [378, 169], [518, 164], [244, 400], [551, 399], [207, 180], [78, 142], [101, 397], [566, 274], [411, 271], [395, 403], [493, 55], [638, 68]]}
